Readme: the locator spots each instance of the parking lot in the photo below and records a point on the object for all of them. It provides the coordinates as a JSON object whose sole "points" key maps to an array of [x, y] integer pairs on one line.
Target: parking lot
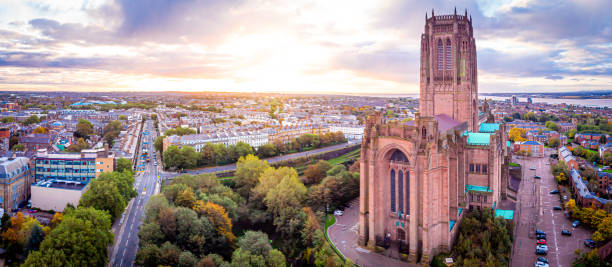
{"points": [[535, 211]]}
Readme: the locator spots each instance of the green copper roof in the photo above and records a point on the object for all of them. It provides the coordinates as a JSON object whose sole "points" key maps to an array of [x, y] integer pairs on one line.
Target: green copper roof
{"points": [[479, 139], [507, 214], [489, 127], [477, 188]]}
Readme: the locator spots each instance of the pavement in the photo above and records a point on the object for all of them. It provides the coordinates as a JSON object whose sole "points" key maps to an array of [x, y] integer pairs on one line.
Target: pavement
{"points": [[344, 234], [535, 211], [123, 251]]}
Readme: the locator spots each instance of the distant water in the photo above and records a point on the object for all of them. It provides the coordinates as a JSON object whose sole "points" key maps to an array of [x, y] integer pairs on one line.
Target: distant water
{"points": [[552, 101]]}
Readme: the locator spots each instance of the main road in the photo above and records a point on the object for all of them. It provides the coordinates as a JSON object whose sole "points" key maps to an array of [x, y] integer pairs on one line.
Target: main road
{"points": [[148, 182]]}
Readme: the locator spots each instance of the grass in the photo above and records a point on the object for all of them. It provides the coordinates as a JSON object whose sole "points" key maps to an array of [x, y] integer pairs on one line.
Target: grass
{"points": [[329, 221], [346, 157]]}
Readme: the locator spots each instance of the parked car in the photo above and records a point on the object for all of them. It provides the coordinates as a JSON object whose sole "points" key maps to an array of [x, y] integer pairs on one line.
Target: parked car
{"points": [[541, 264], [540, 236], [556, 208], [589, 243], [537, 177], [565, 198], [554, 192], [541, 242], [575, 224], [338, 212], [532, 168], [566, 232], [541, 249], [542, 259]]}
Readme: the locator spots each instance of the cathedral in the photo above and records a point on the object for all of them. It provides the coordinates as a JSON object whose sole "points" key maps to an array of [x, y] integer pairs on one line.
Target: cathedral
{"points": [[419, 178]]}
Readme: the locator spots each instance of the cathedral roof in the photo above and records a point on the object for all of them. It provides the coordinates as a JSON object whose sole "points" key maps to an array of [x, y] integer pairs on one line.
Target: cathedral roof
{"points": [[445, 122], [489, 127], [479, 139]]}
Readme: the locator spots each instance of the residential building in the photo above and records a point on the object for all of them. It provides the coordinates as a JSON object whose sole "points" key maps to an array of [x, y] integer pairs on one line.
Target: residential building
{"points": [[534, 148], [15, 181]]}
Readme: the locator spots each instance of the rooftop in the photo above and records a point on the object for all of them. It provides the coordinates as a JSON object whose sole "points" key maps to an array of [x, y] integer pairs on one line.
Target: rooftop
{"points": [[479, 139], [477, 188], [489, 127]]}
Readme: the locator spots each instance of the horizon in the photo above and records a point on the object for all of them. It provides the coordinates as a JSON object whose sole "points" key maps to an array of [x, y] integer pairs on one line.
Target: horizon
{"points": [[296, 48]]}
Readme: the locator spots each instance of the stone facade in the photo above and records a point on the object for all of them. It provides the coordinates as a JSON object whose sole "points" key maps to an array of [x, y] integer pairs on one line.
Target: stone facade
{"points": [[417, 178]]}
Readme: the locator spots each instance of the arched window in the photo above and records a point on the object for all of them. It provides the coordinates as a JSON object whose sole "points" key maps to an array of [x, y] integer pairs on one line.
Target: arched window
{"points": [[423, 133], [401, 234], [440, 55], [407, 174], [392, 183], [400, 190], [449, 56]]}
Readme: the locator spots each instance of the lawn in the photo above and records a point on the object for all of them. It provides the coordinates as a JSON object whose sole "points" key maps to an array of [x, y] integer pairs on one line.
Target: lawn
{"points": [[512, 164], [346, 157]]}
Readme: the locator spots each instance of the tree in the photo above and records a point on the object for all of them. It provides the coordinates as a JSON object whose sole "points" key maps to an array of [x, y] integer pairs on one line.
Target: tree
{"points": [[530, 116], [186, 198], [256, 242], [105, 196], [83, 129], [516, 135], [607, 159], [81, 239], [290, 192], [159, 143], [80, 145], [40, 130], [603, 139], [267, 150], [248, 170], [552, 125], [124, 164], [217, 217], [314, 173], [179, 131], [31, 120], [123, 117], [18, 147], [111, 131], [148, 255], [187, 259], [36, 237], [554, 142], [571, 133], [7, 120]]}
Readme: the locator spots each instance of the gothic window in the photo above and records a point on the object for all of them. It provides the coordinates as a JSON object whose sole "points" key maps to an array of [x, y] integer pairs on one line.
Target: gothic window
{"points": [[401, 234], [407, 174], [485, 199], [392, 180], [477, 167], [471, 198], [484, 168], [448, 55], [440, 55], [423, 133], [478, 198], [471, 167], [400, 190]]}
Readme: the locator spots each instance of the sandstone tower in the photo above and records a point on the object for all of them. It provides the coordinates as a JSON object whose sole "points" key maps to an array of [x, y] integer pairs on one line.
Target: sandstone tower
{"points": [[449, 82]]}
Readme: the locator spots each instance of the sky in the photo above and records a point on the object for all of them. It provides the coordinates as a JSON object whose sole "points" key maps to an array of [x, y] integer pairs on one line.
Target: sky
{"points": [[297, 46]]}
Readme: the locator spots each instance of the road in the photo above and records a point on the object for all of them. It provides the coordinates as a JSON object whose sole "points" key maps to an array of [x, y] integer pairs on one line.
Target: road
{"points": [[536, 211], [126, 228], [232, 167]]}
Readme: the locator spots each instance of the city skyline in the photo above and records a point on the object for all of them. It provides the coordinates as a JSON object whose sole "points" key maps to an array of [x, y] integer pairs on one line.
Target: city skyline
{"points": [[302, 47]]}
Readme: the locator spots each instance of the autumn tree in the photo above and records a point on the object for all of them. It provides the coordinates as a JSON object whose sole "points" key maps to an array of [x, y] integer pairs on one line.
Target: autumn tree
{"points": [[517, 135], [217, 216], [83, 129], [315, 172], [248, 170], [40, 130]]}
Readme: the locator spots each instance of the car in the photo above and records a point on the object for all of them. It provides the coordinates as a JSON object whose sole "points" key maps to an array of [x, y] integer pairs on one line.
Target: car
{"points": [[532, 168], [32, 211], [541, 264], [338, 213], [565, 198], [566, 232], [589, 243], [155, 163], [537, 177], [575, 224], [540, 236], [542, 259], [540, 232], [541, 242], [556, 208], [541, 249], [554, 192]]}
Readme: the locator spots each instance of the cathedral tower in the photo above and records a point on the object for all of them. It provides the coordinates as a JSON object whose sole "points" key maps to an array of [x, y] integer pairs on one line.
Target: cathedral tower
{"points": [[449, 82]]}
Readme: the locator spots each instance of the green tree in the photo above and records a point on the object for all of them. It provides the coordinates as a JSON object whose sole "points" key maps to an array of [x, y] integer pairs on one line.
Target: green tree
{"points": [[266, 150], [81, 239], [7, 120], [248, 170], [187, 259], [36, 237], [111, 131], [123, 118], [148, 255], [186, 198], [105, 196], [83, 128], [124, 164], [18, 147], [31, 120], [159, 143]]}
